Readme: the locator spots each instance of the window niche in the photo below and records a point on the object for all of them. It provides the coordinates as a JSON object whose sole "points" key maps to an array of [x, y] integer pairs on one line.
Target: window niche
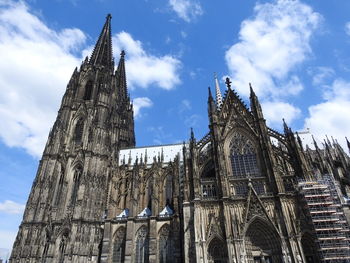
{"points": [[78, 131], [88, 90], [76, 183]]}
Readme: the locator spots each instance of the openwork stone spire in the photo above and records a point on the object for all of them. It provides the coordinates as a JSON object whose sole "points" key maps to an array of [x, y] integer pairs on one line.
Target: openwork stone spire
{"points": [[121, 76], [217, 92], [102, 54]]}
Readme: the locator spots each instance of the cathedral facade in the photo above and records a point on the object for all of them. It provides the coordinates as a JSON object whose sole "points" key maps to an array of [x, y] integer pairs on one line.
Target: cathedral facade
{"points": [[232, 196]]}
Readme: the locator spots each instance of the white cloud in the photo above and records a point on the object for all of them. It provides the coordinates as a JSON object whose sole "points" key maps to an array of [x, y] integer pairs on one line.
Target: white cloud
{"points": [[331, 117], [35, 66], [347, 28], [274, 112], [145, 69], [271, 45], [139, 103], [10, 207], [188, 10]]}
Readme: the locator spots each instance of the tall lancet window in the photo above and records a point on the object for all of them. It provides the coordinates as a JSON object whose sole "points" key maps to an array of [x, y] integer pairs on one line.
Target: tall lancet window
{"points": [[149, 193], [79, 129], [59, 189], [88, 90], [243, 157], [165, 246], [76, 182], [119, 246], [168, 190], [141, 253]]}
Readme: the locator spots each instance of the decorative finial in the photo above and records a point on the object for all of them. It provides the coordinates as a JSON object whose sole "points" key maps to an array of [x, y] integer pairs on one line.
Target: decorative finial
{"points": [[122, 54], [228, 82], [109, 16]]}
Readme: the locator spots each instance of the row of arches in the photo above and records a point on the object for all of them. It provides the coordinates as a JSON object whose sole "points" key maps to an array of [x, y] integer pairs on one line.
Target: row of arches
{"points": [[141, 248]]}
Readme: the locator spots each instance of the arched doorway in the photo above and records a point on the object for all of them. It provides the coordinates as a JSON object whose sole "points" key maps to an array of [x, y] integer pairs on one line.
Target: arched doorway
{"points": [[217, 251], [262, 243], [309, 248]]}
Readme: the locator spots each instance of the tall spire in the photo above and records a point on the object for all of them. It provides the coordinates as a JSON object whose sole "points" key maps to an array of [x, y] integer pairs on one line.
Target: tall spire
{"points": [[348, 143], [217, 92], [102, 54], [121, 76]]}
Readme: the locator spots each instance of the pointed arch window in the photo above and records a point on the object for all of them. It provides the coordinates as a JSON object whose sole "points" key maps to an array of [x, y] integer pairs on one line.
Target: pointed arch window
{"points": [[168, 190], [149, 192], [88, 90], [141, 253], [59, 189], [76, 182], [119, 246], [79, 129], [243, 157], [165, 246]]}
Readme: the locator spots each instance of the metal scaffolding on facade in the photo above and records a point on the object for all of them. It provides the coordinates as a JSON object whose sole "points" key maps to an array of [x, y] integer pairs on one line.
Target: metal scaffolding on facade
{"points": [[329, 222]]}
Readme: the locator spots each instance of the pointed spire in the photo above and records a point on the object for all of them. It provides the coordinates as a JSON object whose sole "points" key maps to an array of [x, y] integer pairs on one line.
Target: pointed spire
{"points": [[102, 54], [210, 96], [252, 93], [300, 142], [285, 126], [314, 141], [348, 143], [121, 76], [217, 92], [192, 135]]}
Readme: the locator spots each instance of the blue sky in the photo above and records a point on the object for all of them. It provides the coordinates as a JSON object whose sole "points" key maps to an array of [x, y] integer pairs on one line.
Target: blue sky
{"points": [[295, 54]]}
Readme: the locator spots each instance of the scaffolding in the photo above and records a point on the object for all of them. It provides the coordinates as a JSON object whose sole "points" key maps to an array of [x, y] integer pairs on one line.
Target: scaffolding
{"points": [[328, 219]]}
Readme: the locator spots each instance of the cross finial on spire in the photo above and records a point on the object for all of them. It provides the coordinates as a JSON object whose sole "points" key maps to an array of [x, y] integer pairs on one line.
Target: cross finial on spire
{"points": [[122, 54], [228, 82]]}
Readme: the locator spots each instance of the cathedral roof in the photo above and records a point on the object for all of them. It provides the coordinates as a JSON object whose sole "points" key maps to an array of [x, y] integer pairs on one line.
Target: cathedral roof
{"points": [[150, 154]]}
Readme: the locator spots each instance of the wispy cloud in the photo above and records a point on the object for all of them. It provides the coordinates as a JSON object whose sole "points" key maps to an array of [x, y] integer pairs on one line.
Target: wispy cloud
{"points": [[11, 207], [188, 10]]}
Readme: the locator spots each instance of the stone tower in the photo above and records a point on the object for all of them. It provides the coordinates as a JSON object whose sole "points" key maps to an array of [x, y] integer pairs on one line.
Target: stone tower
{"points": [[63, 215]]}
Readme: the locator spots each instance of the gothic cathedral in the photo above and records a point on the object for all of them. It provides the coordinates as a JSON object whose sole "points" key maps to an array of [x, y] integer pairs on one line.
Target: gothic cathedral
{"points": [[242, 193]]}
